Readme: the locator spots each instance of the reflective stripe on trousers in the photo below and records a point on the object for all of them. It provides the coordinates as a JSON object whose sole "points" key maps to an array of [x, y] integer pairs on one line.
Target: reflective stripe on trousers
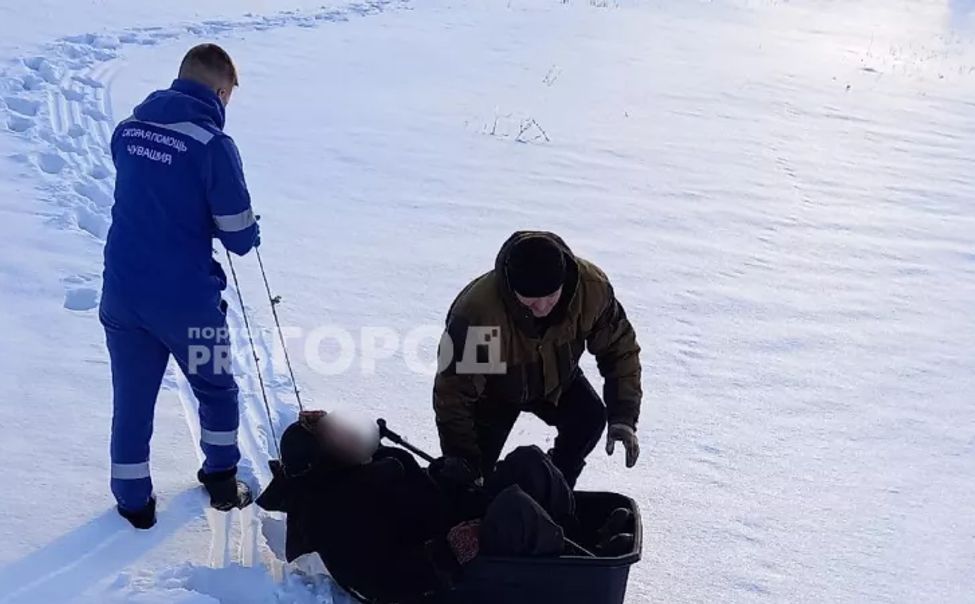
{"points": [[130, 471], [219, 439]]}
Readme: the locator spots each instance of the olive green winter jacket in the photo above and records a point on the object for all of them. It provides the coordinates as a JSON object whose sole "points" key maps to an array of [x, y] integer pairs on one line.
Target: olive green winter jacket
{"points": [[504, 358]]}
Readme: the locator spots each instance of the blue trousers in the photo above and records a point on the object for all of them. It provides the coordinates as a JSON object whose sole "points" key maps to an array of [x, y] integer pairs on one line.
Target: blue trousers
{"points": [[141, 337]]}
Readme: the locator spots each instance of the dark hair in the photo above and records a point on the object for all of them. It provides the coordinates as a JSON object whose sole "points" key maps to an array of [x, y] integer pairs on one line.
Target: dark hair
{"points": [[209, 64]]}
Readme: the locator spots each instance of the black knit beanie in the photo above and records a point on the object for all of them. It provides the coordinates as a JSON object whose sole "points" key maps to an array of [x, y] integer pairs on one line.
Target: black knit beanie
{"points": [[536, 267]]}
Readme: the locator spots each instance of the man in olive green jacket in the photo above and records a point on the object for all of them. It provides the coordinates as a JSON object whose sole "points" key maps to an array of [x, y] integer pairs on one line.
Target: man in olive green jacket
{"points": [[513, 342]]}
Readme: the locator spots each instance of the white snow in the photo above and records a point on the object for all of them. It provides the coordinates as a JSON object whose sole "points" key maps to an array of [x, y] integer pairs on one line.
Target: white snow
{"points": [[781, 192]]}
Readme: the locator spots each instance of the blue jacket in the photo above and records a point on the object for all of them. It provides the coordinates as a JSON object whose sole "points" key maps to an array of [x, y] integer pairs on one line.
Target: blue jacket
{"points": [[179, 184]]}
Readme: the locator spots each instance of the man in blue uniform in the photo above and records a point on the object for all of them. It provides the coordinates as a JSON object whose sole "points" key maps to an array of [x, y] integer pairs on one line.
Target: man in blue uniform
{"points": [[179, 185]]}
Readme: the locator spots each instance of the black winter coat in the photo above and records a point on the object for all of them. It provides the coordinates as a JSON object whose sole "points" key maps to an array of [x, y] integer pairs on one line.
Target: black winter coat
{"points": [[377, 536]]}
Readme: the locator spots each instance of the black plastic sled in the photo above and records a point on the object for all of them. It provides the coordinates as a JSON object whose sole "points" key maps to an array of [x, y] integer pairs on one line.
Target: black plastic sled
{"points": [[562, 580]]}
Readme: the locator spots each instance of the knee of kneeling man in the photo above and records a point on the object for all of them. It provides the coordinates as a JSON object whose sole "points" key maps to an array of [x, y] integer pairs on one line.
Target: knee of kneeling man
{"points": [[527, 452]]}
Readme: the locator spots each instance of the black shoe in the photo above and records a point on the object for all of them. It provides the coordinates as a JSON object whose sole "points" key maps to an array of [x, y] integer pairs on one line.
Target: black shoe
{"points": [[617, 545], [612, 536], [226, 492], [618, 521], [143, 519]]}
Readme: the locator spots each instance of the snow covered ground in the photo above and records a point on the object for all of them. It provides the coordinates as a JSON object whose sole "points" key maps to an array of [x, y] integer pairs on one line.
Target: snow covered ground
{"points": [[782, 193]]}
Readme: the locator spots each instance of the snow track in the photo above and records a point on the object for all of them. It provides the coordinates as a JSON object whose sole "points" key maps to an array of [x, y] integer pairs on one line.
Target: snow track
{"points": [[780, 192], [59, 104]]}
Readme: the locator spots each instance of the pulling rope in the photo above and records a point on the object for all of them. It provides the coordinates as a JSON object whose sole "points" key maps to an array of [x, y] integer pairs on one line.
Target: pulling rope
{"points": [[275, 300], [257, 361]]}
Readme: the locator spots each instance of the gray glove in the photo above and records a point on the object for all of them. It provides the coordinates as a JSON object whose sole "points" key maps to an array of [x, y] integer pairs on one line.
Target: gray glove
{"points": [[627, 436]]}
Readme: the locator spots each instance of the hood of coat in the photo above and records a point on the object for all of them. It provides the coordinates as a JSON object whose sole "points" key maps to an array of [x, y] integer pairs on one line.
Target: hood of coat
{"points": [[184, 101], [520, 313], [303, 462]]}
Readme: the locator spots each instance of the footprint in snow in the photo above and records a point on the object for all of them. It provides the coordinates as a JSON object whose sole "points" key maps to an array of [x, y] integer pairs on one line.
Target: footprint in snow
{"points": [[27, 107], [72, 95], [31, 82], [81, 298], [91, 222], [44, 68], [19, 124], [51, 163], [62, 143], [95, 113], [95, 193], [34, 63], [106, 42], [99, 172], [69, 145]]}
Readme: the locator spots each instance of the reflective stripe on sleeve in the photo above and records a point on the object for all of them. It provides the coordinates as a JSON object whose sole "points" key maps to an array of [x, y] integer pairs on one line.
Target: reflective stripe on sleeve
{"points": [[232, 223]]}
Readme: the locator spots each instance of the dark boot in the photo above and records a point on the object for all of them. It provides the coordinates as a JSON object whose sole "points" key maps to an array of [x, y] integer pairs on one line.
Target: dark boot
{"points": [[614, 540], [618, 521], [226, 492], [617, 545], [536, 475], [143, 519]]}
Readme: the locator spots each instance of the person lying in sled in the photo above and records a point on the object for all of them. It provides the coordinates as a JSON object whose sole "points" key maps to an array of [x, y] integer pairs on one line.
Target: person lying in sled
{"points": [[395, 532]]}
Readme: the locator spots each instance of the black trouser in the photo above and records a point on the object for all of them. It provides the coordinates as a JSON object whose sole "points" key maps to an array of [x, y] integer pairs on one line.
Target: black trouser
{"points": [[530, 503], [526, 509], [579, 417]]}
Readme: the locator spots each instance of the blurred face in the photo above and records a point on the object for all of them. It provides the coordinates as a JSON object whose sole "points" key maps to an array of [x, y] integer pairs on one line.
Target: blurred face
{"points": [[349, 441], [540, 307]]}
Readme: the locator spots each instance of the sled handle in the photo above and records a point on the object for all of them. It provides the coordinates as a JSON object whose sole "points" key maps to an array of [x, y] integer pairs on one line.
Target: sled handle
{"points": [[385, 432]]}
